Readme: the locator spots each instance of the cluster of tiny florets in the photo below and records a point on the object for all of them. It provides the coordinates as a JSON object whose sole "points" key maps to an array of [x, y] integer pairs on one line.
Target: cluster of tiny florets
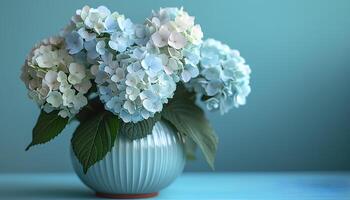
{"points": [[135, 67], [54, 80], [224, 77]]}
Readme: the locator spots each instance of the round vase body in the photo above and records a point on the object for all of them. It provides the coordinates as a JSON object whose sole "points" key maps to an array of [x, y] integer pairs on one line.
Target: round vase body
{"points": [[134, 167]]}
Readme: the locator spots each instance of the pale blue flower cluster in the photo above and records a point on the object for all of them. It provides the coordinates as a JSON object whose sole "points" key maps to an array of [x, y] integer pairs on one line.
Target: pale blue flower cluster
{"points": [[177, 38], [133, 84], [139, 71], [135, 66], [223, 82], [93, 30]]}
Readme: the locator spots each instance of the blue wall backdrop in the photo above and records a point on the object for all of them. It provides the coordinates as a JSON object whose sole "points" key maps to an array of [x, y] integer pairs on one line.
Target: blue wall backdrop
{"points": [[297, 116]]}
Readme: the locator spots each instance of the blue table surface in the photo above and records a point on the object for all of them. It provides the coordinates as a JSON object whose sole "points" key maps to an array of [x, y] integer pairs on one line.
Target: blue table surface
{"points": [[236, 186]]}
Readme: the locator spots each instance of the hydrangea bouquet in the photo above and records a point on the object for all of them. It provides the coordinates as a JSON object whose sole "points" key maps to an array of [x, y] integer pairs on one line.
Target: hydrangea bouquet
{"points": [[120, 78]]}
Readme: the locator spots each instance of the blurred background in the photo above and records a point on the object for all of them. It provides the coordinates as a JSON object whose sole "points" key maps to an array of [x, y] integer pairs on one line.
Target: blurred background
{"points": [[296, 118]]}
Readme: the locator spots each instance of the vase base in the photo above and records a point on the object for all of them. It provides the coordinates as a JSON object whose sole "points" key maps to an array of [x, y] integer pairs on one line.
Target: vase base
{"points": [[126, 196]]}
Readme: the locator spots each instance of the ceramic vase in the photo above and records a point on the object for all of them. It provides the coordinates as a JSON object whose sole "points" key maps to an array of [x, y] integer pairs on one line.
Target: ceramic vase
{"points": [[137, 168]]}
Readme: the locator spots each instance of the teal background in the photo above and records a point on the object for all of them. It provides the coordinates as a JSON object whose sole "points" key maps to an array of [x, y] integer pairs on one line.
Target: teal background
{"points": [[296, 118]]}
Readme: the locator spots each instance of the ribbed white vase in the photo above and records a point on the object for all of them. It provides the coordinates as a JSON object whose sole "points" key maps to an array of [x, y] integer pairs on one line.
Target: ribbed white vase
{"points": [[138, 168]]}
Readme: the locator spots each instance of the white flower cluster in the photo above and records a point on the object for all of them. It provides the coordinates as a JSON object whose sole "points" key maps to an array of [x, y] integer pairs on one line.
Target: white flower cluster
{"points": [[177, 38], [133, 84], [54, 80], [224, 77]]}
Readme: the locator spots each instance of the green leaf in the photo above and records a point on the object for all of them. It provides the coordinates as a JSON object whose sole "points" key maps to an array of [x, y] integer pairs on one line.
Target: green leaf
{"points": [[140, 129], [189, 145], [47, 127], [93, 108], [190, 121], [94, 138], [190, 148]]}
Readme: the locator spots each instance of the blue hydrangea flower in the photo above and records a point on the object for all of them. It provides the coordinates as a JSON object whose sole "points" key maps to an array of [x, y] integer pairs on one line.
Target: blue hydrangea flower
{"points": [[152, 65], [87, 36], [124, 34], [90, 47], [151, 101], [191, 55], [126, 26], [133, 84], [119, 42], [101, 47], [91, 29], [223, 77], [111, 24], [189, 71], [74, 42], [142, 34]]}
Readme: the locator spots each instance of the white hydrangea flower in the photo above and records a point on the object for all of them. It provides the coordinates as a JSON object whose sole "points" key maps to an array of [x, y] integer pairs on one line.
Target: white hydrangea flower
{"points": [[54, 80], [177, 40], [224, 77], [196, 35], [54, 99], [50, 80], [77, 73], [160, 38], [94, 18], [175, 34], [134, 85]]}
